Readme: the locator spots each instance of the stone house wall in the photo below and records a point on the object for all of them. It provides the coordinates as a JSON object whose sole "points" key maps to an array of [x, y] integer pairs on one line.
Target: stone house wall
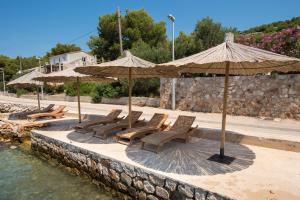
{"points": [[263, 96], [131, 180]]}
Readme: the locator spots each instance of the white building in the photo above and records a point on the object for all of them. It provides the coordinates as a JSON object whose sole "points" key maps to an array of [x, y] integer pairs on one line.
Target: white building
{"points": [[77, 58]]}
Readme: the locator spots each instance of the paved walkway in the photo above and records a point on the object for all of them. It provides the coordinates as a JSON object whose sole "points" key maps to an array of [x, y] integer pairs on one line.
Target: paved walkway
{"points": [[283, 129]]}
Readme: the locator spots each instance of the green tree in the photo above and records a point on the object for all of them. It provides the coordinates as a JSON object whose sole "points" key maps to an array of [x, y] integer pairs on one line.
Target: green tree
{"points": [[137, 26], [275, 26], [186, 45], [209, 33], [62, 48], [156, 54]]}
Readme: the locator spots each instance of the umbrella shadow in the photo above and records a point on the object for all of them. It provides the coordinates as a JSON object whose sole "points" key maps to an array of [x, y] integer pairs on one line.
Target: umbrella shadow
{"points": [[194, 158], [60, 125], [89, 138]]}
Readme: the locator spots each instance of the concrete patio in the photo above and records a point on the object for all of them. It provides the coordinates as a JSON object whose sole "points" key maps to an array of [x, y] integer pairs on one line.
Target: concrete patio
{"points": [[255, 173]]}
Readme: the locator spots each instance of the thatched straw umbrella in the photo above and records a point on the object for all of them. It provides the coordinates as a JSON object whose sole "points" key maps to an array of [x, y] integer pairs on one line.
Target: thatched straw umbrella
{"points": [[230, 58], [128, 66], [69, 75], [27, 81]]}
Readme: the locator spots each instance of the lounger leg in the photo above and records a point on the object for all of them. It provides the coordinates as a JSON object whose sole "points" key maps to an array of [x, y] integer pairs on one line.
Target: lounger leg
{"points": [[143, 144], [158, 148]]}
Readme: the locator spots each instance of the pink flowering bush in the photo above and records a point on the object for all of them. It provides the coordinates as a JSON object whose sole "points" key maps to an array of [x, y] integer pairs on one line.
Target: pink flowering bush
{"points": [[286, 41]]}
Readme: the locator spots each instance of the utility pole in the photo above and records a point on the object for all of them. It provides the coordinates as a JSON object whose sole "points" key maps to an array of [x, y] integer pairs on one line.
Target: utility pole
{"points": [[42, 87], [172, 19], [120, 31], [3, 77]]}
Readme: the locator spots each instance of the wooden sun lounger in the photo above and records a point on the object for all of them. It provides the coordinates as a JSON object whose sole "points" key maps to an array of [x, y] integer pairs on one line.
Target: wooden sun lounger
{"points": [[180, 130], [156, 122], [109, 118], [30, 125], [23, 115], [103, 131], [56, 113]]}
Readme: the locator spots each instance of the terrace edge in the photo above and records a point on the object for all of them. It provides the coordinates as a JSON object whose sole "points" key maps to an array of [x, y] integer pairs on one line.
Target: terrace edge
{"points": [[130, 180]]}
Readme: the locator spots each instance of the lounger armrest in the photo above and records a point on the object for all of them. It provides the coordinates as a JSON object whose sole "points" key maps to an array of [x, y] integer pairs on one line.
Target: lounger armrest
{"points": [[120, 118], [166, 127], [192, 131]]}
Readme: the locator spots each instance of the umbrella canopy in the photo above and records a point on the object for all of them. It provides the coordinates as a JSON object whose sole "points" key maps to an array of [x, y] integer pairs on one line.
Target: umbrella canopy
{"points": [[244, 60], [69, 75], [128, 66], [120, 67], [27, 79], [231, 58]]}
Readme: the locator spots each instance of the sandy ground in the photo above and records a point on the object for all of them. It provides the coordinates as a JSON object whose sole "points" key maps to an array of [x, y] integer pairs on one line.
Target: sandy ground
{"points": [[255, 173], [283, 129]]}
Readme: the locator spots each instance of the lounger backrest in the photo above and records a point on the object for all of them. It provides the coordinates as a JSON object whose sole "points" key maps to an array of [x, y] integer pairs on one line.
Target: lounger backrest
{"points": [[48, 108], [114, 113], [135, 115], [157, 120], [183, 123], [58, 109]]}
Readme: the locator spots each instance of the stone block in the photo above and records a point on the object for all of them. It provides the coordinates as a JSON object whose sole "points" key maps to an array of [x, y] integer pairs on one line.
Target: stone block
{"points": [[156, 180], [126, 179], [138, 183], [186, 190], [148, 187], [161, 192], [171, 185], [151, 197]]}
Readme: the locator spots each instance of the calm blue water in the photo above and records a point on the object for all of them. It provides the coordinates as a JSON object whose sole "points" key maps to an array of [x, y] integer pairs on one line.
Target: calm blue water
{"points": [[23, 176]]}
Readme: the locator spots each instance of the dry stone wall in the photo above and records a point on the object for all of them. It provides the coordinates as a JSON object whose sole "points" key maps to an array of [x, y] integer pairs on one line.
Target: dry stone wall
{"points": [[131, 180], [257, 96]]}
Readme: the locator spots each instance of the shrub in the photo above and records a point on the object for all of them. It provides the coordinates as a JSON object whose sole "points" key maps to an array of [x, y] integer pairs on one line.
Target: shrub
{"points": [[21, 91]]}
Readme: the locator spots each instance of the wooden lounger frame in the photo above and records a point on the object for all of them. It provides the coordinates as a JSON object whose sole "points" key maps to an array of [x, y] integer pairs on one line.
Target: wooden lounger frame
{"points": [[111, 117], [56, 113], [181, 130], [155, 124], [103, 131]]}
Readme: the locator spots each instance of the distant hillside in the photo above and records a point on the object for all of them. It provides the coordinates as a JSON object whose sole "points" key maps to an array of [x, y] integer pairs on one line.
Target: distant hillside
{"points": [[275, 26]]}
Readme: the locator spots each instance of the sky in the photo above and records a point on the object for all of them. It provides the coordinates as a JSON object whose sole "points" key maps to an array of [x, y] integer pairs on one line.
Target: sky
{"points": [[33, 27]]}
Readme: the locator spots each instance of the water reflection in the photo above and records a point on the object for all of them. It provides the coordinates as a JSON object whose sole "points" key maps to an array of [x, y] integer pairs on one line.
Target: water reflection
{"points": [[24, 177]]}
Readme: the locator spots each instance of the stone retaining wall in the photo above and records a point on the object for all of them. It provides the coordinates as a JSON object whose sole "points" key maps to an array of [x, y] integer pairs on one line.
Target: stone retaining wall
{"points": [[138, 101], [257, 96], [136, 182]]}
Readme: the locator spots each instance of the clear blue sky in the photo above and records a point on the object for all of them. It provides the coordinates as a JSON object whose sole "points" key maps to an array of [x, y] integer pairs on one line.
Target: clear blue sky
{"points": [[32, 27]]}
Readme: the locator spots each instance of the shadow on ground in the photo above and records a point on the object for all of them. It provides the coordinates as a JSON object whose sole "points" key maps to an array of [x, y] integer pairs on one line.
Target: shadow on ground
{"points": [[193, 158], [60, 125], [89, 138]]}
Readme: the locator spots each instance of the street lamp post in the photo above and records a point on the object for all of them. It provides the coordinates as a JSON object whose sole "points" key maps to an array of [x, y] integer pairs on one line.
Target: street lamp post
{"points": [[20, 70], [172, 19]]}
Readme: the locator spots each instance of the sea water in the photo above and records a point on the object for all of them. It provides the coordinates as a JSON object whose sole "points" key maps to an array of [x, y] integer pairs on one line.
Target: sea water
{"points": [[25, 176]]}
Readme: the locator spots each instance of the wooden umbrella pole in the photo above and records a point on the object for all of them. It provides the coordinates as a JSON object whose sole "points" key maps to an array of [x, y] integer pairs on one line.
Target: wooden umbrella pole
{"points": [[78, 99], [38, 98], [224, 112], [129, 95]]}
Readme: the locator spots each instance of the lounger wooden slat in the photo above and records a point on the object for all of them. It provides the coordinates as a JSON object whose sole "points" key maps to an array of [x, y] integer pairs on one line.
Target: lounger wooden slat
{"points": [[56, 113], [128, 136], [103, 131], [180, 130], [24, 115], [109, 118], [31, 125]]}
